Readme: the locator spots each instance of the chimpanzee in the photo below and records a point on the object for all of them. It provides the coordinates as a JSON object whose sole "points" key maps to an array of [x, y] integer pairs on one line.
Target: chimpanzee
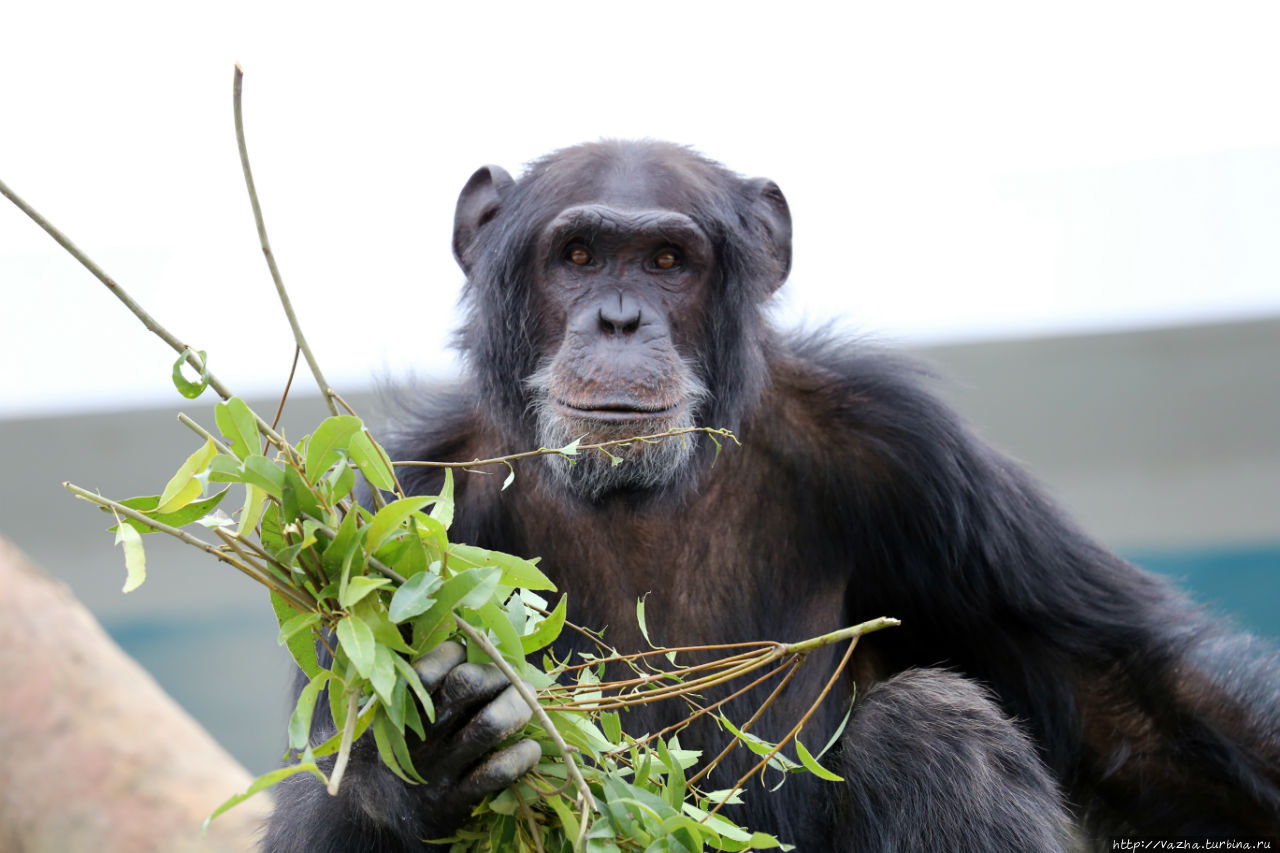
{"points": [[1041, 693]]}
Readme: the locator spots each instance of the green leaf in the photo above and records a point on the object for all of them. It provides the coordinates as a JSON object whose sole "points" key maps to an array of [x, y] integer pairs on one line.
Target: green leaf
{"points": [[644, 629], [255, 501], [571, 449], [237, 423], [358, 587], [811, 764], [339, 482], [414, 596], [338, 553], [383, 674], [465, 589], [568, 819], [265, 474], [363, 721], [185, 387], [357, 640], [135, 559], [495, 619], [296, 623], [225, 469], [298, 497], [611, 725], [673, 791], [548, 629], [373, 461], [443, 510], [515, 570], [392, 748], [183, 487], [301, 646], [300, 722], [330, 438], [387, 520], [186, 515], [265, 781], [411, 678]]}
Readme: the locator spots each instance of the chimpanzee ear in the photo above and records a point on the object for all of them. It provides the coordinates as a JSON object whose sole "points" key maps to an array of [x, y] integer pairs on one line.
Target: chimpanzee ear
{"points": [[478, 203], [772, 207]]}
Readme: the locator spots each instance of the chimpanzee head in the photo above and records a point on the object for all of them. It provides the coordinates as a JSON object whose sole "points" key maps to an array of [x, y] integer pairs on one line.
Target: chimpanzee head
{"points": [[616, 290]]}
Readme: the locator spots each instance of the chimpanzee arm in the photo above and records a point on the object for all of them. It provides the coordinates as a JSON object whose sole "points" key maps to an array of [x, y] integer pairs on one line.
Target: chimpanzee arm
{"points": [[930, 763], [1115, 674]]}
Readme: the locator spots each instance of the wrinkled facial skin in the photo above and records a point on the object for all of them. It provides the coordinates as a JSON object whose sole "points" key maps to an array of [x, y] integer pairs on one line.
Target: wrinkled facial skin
{"points": [[629, 289]]}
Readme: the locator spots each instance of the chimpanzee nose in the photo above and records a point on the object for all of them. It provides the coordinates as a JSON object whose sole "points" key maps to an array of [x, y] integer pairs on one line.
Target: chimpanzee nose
{"points": [[621, 317]]}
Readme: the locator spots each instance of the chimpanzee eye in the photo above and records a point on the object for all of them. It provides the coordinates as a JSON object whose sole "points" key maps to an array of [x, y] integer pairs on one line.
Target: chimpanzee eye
{"points": [[666, 259], [578, 255]]}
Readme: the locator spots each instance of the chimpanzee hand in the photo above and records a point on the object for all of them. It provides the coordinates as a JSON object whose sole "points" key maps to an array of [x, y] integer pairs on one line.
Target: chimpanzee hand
{"points": [[476, 708]]}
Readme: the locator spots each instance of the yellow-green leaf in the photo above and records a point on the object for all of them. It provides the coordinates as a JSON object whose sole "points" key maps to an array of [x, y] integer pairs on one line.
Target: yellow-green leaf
{"points": [[183, 487], [238, 424], [255, 501], [388, 520], [135, 559], [811, 764]]}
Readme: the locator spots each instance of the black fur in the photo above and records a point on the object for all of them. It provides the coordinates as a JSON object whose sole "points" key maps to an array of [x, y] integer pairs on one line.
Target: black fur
{"points": [[1041, 692]]}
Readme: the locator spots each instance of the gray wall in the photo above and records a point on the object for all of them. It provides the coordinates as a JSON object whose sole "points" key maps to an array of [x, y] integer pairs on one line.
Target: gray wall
{"points": [[1155, 440]]}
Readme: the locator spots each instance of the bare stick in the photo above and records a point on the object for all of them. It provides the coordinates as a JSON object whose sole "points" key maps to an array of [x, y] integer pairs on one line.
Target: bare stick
{"points": [[275, 422], [348, 735], [204, 433], [296, 596], [152, 326], [560, 451], [571, 766], [147, 320], [266, 250]]}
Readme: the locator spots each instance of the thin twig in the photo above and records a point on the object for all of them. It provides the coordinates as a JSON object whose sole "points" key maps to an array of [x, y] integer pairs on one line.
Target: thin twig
{"points": [[571, 766], [287, 385], [764, 762], [795, 664], [535, 831], [204, 433], [186, 537], [301, 340], [348, 735], [147, 320], [560, 451]]}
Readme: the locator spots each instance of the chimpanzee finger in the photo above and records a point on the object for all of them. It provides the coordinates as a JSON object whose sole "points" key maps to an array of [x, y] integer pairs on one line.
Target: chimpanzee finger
{"points": [[501, 718], [466, 689], [435, 664], [500, 770]]}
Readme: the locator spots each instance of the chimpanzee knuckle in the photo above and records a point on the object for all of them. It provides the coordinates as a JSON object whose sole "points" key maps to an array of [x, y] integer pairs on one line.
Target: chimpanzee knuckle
{"points": [[505, 715], [501, 769], [470, 684], [436, 664]]}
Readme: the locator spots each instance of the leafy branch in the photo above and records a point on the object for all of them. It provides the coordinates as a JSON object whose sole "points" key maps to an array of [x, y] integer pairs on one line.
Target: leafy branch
{"points": [[388, 585]]}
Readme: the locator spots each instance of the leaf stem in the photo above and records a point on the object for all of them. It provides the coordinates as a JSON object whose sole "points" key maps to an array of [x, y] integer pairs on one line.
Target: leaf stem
{"points": [[298, 337], [348, 736]]}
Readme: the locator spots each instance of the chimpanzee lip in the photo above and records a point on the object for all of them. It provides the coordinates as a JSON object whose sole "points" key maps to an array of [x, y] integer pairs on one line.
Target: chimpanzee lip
{"points": [[615, 412]]}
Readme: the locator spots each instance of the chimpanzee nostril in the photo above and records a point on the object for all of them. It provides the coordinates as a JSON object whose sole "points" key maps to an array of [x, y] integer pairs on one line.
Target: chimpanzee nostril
{"points": [[623, 319]]}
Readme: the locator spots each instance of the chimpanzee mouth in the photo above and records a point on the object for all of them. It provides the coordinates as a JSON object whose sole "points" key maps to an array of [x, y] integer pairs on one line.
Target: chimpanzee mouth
{"points": [[617, 412]]}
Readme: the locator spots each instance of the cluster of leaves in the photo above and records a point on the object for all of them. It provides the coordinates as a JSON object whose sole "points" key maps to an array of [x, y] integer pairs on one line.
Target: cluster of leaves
{"points": [[378, 586], [386, 583]]}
